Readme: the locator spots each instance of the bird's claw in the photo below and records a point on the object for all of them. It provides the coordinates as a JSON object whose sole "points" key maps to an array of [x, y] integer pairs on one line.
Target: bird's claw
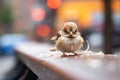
{"points": [[76, 54], [64, 55]]}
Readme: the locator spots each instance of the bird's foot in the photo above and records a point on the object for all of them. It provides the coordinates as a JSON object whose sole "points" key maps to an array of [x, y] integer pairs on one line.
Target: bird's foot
{"points": [[63, 55], [76, 54]]}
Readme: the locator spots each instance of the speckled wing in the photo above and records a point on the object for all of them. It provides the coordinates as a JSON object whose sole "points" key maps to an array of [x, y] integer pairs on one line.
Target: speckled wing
{"points": [[56, 36]]}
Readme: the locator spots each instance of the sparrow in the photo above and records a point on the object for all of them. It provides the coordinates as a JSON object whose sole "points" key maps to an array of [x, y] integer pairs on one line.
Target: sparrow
{"points": [[68, 39]]}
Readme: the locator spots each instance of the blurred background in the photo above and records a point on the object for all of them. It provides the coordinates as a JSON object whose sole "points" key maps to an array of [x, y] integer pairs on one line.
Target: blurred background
{"points": [[39, 20]]}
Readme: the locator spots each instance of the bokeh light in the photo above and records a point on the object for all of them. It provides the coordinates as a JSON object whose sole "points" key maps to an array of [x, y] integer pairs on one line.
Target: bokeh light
{"points": [[43, 30], [53, 4], [38, 14], [79, 10]]}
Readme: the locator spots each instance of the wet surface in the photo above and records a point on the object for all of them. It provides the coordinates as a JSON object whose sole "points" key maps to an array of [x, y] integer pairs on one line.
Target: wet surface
{"points": [[86, 66]]}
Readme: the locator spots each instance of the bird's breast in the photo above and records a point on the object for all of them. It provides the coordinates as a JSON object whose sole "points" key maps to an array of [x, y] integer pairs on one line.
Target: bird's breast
{"points": [[69, 45]]}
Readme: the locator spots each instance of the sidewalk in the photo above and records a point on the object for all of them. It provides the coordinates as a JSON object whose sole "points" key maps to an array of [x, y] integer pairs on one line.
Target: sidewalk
{"points": [[6, 63]]}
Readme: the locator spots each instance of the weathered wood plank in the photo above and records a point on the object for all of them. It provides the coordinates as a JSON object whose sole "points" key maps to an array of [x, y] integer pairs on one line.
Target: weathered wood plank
{"points": [[84, 67]]}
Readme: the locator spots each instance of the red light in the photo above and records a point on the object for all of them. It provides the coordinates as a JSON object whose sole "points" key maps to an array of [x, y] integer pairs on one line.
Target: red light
{"points": [[53, 4], [43, 30], [38, 14]]}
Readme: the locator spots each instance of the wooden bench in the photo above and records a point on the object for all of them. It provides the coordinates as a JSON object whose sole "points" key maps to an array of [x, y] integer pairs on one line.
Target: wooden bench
{"points": [[37, 57]]}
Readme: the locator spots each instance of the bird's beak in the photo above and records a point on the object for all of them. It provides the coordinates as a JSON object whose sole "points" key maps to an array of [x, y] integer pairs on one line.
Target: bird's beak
{"points": [[71, 35]]}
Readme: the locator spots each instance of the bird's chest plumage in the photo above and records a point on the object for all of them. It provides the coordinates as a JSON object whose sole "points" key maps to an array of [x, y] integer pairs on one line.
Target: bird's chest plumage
{"points": [[69, 45]]}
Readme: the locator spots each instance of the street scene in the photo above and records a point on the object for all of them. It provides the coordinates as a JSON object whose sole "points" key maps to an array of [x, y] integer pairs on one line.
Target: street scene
{"points": [[30, 29]]}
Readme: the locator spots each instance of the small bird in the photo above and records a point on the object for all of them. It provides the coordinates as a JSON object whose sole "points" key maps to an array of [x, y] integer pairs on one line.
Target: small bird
{"points": [[68, 39]]}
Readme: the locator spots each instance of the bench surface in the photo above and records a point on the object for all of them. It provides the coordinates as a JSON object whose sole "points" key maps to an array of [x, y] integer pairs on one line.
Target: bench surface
{"points": [[49, 65]]}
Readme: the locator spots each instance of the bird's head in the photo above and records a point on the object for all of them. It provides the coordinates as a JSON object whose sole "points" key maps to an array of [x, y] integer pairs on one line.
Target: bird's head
{"points": [[70, 29]]}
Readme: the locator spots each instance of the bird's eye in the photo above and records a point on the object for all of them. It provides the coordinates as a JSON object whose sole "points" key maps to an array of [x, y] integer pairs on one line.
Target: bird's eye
{"points": [[65, 31], [75, 31]]}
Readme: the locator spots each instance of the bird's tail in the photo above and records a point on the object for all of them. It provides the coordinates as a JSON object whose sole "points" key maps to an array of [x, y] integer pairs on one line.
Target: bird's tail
{"points": [[53, 49], [88, 46]]}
